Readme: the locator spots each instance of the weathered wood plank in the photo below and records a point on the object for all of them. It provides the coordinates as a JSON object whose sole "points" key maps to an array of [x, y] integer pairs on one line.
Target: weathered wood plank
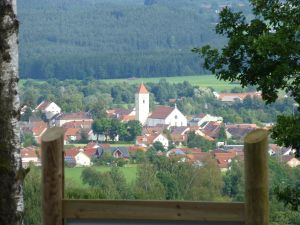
{"points": [[141, 222], [153, 210], [256, 178], [52, 176]]}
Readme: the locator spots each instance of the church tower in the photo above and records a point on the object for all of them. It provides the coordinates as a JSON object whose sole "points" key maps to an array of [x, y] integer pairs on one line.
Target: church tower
{"points": [[142, 104]]}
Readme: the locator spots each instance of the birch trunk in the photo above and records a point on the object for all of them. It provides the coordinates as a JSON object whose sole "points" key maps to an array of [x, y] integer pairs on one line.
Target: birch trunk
{"points": [[11, 173]]}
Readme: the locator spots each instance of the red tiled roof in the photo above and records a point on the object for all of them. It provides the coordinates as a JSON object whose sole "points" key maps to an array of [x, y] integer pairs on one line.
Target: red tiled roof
{"points": [[71, 152], [223, 158], [90, 151], [142, 89], [78, 124], [241, 96], [75, 116], [126, 118], [72, 131], [161, 112], [39, 128], [29, 152], [197, 156], [43, 105]]}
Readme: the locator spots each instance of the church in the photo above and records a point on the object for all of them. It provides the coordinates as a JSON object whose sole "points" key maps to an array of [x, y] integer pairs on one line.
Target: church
{"points": [[162, 115]]}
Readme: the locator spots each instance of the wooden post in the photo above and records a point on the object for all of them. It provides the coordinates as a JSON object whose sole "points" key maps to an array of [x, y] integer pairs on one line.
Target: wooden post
{"points": [[52, 176], [256, 178]]}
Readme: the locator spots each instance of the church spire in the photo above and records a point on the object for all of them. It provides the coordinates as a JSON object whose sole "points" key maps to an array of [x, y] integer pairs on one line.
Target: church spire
{"points": [[142, 89]]}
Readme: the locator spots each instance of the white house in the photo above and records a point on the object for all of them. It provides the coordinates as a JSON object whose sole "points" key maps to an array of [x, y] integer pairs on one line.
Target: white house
{"points": [[198, 120], [79, 156], [82, 159], [149, 139], [142, 104], [168, 116], [49, 108], [29, 155], [73, 117]]}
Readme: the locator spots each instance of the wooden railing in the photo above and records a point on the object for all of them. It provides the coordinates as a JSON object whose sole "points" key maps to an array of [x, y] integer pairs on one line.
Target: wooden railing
{"points": [[58, 211]]}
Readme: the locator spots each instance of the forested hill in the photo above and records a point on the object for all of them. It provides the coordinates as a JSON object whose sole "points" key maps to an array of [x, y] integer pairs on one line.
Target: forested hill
{"points": [[115, 38]]}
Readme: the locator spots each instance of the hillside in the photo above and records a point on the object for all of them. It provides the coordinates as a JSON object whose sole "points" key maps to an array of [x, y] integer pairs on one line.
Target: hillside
{"points": [[115, 39]]}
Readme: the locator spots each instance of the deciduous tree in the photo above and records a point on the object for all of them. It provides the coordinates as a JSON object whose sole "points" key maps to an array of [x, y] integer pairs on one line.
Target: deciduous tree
{"points": [[11, 173], [263, 52]]}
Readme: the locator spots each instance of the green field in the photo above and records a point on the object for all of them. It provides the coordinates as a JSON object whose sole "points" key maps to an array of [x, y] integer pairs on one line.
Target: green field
{"points": [[73, 174], [196, 80]]}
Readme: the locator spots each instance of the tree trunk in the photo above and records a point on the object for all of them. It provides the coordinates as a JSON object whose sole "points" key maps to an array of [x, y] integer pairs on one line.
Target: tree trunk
{"points": [[11, 173]]}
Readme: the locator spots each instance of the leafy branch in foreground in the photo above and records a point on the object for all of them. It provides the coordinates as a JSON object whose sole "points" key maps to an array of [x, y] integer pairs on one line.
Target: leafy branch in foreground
{"points": [[263, 52]]}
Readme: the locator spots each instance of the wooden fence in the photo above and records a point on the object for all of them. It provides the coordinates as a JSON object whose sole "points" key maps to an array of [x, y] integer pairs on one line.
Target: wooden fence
{"points": [[59, 211]]}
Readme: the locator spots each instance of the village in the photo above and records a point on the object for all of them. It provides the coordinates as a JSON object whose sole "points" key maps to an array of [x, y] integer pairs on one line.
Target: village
{"points": [[165, 129]]}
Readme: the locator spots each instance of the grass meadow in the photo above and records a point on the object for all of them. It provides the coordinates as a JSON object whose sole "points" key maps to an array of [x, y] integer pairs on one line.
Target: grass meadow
{"points": [[195, 80], [73, 174]]}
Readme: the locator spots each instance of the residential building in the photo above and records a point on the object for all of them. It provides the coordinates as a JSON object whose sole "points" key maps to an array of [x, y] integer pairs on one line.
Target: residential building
{"points": [[167, 116], [49, 108], [73, 117]]}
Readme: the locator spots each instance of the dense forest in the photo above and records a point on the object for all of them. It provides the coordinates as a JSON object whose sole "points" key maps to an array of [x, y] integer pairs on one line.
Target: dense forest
{"points": [[120, 38]]}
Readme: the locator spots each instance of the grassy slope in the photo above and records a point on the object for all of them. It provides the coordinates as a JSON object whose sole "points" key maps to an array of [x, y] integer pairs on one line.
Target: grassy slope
{"points": [[73, 174], [196, 80]]}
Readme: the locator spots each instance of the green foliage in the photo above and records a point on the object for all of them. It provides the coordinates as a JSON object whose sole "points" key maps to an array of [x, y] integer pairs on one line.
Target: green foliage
{"points": [[111, 183], [290, 196], [196, 141], [158, 146], [32, 197], [134, 128], [222, 134], [102, 126], [286, 132], [263, 52], [28, 139], [234, 181], [147, 184]]}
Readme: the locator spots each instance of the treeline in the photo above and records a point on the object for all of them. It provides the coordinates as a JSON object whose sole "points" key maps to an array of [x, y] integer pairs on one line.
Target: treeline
{"points": [[167, 179], [96, 97], [109, 39]]}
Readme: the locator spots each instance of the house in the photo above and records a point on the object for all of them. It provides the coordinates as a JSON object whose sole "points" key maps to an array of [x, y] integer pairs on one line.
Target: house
{"points": [[78, 124], [124, 115], [179, 134], [291, 161], [232, 97], [71, 135], [148, 140], [79, 156], [168, 116], [239, 131], [190, 155], [116, 152], [49, 108], [73, 117], [154, 130], [30, 155], [211, 129], [201, 118], [38, 129], [224, 158]]}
